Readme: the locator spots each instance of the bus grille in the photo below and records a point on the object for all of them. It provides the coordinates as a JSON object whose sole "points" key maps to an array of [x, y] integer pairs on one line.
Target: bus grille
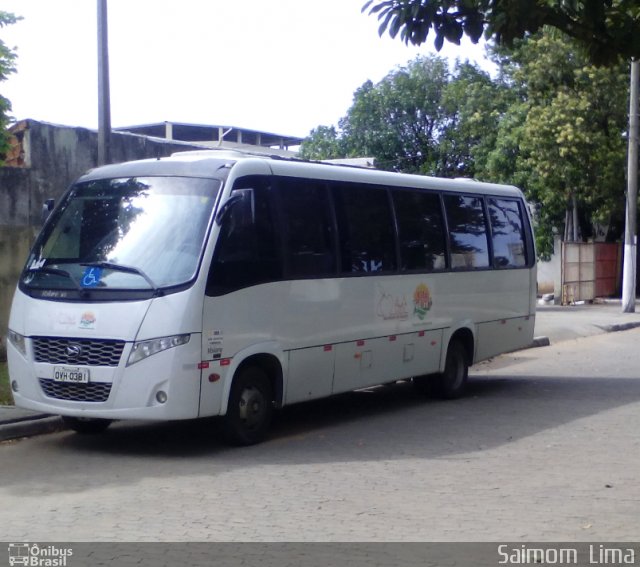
{"points": [[91, 392], [92, 352]]}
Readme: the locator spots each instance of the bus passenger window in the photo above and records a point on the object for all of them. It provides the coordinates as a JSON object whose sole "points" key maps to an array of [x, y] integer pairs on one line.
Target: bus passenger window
{"points": [[507, 232], [467, 232], [365, 228], [307, 228], [421, 231], [245, 255]]}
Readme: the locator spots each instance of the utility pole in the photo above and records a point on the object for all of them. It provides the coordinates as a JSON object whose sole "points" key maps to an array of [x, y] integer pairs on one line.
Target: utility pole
{"points": [[104, 103], [629, 266]]}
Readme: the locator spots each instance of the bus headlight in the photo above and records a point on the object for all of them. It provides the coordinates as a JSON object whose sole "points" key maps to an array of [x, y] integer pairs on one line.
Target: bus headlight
{"points": [[18, 341], [144, 349]]}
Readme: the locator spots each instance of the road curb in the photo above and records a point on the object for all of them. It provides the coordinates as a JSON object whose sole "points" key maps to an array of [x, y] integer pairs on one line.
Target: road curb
{"points": [[540, 342], [27, 427], [619, 327]]}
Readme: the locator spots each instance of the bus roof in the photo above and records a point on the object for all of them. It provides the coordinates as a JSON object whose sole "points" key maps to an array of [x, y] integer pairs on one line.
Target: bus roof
{"points": [[209, 163]]}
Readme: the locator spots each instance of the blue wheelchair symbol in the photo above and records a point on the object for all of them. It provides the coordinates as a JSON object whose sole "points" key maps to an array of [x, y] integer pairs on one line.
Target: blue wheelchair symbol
{"points": [[91, 277]]}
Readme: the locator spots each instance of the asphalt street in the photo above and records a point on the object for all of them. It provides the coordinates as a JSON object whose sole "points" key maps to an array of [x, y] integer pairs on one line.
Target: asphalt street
{"points": [[544, 448]]}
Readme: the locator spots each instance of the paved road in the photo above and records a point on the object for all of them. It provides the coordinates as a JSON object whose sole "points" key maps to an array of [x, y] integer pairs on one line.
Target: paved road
{"points": [[545, 447]]}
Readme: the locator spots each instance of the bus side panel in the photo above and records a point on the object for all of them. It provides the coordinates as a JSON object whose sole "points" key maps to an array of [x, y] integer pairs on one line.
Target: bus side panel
{"points": [[495, 303], [366, 363], [428, 347], [310, 373], [504, 335], [512, 324], [376, 361]]}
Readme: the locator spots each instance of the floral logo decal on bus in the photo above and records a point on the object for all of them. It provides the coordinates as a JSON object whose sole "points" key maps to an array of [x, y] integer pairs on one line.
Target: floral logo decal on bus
{"points": [[88, 320], [422, 301]]}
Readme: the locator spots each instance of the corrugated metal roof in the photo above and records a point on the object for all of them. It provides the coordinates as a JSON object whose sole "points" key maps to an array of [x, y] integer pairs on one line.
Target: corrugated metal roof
{"points": [[212, 133]]}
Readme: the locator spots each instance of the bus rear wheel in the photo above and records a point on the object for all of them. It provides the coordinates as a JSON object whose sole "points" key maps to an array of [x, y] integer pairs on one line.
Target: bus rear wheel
{"points": [[250, 408], [451, 383], [86, 425]]}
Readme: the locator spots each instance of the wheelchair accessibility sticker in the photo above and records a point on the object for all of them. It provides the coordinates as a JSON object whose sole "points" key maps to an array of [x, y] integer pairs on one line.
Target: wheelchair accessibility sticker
{"points": [[91, 277]]}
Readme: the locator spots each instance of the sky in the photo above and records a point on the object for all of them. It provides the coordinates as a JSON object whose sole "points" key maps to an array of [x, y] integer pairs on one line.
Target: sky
{"points": [[280, 66]]}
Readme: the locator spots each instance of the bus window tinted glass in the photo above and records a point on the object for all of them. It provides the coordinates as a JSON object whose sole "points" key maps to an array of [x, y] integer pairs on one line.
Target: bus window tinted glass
{"points": [[246, 253], [467, 232], [367, 242], [420, 230], [507, 231], [307, 228]]}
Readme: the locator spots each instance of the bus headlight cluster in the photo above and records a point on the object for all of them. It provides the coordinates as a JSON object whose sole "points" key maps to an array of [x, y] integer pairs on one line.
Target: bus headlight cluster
{"points": [[145, 349], [18, 341]]}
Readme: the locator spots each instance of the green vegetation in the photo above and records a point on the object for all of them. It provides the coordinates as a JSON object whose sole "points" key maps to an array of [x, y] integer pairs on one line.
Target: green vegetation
{"points": [[562, 136], [606, 31], [549, 122], [5, 391], [7, 66], [421, 118]]}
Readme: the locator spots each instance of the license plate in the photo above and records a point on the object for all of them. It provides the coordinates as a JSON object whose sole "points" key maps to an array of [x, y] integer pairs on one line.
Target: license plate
{"points": [[71, 374]]}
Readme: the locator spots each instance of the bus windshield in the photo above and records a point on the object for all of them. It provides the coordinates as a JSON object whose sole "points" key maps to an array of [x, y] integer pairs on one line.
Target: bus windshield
{"points": [[143, 233]]}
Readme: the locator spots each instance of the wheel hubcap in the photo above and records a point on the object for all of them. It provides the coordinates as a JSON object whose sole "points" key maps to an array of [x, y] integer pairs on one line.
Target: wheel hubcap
{"points": [[252, 407]]}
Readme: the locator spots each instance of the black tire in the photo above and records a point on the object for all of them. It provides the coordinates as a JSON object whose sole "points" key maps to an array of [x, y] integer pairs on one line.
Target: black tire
{"points": [[86, 425], [250, 408], [452, 383]]}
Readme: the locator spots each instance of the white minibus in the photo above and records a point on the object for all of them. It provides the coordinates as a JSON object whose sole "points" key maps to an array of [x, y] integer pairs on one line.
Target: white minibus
{"points": [[219, 283]]}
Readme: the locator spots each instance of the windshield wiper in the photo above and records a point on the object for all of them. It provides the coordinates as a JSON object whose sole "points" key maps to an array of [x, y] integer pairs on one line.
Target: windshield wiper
{"points": [[57, 272], [126, 269]]}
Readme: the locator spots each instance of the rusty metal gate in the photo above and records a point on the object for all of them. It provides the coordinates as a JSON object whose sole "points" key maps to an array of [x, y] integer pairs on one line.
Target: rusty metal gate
{"points": [[589, 270]]}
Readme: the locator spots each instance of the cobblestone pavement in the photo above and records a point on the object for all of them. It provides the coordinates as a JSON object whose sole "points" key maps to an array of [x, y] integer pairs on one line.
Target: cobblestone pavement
{"points": [[546, 446]]}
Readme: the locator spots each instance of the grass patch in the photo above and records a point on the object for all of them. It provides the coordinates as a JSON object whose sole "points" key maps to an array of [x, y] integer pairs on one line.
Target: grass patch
{"points": [[5, 390]]}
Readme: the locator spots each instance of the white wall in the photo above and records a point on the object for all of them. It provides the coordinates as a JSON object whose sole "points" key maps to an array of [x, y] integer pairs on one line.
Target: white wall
{"points": [[550, 273]]}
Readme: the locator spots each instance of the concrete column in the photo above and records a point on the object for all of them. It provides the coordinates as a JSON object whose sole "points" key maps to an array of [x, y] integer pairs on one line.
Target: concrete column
{"points": [[629, 266], [104, 103]]}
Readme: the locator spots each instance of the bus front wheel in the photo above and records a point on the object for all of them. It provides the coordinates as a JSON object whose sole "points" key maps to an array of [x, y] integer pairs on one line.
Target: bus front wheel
{"points": [[86, 425], [250, 407]]}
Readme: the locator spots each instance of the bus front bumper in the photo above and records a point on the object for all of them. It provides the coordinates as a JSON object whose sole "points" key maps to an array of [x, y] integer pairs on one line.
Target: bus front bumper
{"points": [[165, 386]]}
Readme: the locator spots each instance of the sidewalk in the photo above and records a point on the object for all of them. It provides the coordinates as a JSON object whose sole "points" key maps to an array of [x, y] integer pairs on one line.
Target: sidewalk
{"points": [[562, 323], [554, 323], [17, 422]]}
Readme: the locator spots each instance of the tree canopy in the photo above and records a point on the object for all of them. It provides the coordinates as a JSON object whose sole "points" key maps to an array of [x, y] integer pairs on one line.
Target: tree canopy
{"points": [[550, 122], [7, 66], [562, 137], [421, 118], [606, 29]]}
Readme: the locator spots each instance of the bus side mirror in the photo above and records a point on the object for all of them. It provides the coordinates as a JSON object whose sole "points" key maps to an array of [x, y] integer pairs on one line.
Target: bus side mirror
{"points": [[47, 207], [242, 203]]}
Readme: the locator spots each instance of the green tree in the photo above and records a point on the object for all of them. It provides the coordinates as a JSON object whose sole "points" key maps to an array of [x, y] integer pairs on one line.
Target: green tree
{"points": [[7, 66], [607, 30], [322, 143], [562, 137], [421, 118], [474, 105], [398, 121]]}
